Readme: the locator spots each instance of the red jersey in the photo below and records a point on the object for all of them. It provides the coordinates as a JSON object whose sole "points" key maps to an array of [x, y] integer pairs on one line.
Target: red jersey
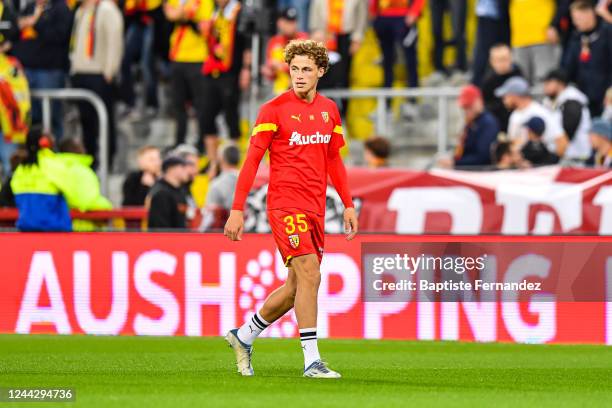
{"points": [[299, 136]]}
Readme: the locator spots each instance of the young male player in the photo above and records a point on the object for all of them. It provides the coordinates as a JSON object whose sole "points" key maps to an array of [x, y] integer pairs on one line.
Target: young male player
{"points": [[303, 132]]}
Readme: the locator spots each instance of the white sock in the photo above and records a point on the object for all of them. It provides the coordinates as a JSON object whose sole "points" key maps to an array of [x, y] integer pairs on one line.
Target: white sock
{"points": [[308, 337], [249, 331]]}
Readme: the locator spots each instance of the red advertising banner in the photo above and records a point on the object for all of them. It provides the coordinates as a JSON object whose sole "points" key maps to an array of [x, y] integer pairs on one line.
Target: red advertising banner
{"points": [[543, 201], [204, 285]]}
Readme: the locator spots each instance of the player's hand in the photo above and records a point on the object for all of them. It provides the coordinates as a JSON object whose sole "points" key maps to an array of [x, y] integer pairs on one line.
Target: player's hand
{"points": [[234, 226], [350, 223]]}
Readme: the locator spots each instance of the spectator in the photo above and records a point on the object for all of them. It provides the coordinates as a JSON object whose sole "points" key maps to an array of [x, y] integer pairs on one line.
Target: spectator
{"points": [[342, 25], [14, 108], [137, 184], [302, 7], [226, 71], [167, 202], [493, 28], [396, 23], [78, 164], [187, 53], [607, 114], [9, 34], [589, 55], [506, 156], [191, 157], [9, 28], [457, 9], [516, 97], [42, 186], [535, 50], [139, 33], [43, 52], [480, 132], [535, 151], [601, 139], [275, 68], [570, 108], [376, 153], [502, 68], [97, 47], [221, 191], [7, 198]]}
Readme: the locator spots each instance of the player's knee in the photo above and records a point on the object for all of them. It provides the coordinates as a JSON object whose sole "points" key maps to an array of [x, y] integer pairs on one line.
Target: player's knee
{"points": [[307, 271]]}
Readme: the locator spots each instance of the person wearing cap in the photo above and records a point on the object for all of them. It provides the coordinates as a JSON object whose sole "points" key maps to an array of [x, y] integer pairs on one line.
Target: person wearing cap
{"points": [[570, 108], [480, 131], [275, 68], [191, 156], [601, 139], [167, 202], [534, 151], [516, 97]]}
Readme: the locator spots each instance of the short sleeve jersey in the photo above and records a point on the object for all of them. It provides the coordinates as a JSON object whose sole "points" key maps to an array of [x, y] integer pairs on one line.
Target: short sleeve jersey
{"points": [[300, 137]]}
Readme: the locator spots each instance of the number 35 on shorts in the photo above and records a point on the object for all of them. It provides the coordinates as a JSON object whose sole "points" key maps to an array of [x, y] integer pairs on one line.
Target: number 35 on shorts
{"points": [[295, 222]]}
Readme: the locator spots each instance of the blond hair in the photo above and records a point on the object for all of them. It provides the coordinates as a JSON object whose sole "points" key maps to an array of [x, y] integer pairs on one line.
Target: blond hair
{"points": [[314, 50]]}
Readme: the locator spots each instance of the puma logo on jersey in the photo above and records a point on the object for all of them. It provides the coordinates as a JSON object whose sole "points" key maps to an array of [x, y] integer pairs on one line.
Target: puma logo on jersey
{"points": [[297, 117], [298, 139]]}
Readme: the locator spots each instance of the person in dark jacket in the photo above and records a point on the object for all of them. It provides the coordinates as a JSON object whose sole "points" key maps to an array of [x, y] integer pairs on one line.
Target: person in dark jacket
{"points": [[601, 139], [535, 151], [588, 62], [480, 132], [502, 68], [43, 51], [138, 183], [167, 201]]}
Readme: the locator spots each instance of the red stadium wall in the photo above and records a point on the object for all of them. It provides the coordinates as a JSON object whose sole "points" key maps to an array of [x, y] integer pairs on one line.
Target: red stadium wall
{"points": [[203, 285]]}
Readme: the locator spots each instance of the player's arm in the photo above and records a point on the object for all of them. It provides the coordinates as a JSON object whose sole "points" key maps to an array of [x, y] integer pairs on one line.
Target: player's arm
{"points": [[337, 173], [261, 138]]}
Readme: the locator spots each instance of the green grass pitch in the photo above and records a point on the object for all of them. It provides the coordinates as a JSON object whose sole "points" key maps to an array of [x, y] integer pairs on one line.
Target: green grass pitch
{"points": [[200, 372]]}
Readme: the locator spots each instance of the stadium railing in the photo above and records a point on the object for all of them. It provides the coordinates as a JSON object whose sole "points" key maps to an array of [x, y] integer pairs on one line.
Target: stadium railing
{"points": [[46, 95], [382, 94]]}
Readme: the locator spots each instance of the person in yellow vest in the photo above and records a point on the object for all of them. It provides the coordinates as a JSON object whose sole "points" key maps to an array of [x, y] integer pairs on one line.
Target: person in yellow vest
{"points": [[187, 53], [536, 50], [275, 68], [140, 18]]}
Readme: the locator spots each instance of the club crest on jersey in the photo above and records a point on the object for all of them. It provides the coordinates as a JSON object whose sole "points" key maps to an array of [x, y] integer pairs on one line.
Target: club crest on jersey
{"points": [[299, 139], [325, 116], [294, 240]]}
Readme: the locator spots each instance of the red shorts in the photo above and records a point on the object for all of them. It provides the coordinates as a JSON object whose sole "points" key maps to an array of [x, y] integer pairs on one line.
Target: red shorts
{"points": [[297, 232]]}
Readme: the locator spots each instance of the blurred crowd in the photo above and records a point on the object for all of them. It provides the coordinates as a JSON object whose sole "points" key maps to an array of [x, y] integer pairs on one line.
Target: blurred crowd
{"points": [[201, 49]]}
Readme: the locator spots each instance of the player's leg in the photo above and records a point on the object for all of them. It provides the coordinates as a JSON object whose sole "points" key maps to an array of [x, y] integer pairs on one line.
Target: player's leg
{"points": [[276, 305], [308, 275]]}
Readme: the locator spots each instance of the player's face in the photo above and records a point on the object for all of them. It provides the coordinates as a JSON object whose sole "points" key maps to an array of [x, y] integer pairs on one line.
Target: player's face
{"points": [[304, 74]]}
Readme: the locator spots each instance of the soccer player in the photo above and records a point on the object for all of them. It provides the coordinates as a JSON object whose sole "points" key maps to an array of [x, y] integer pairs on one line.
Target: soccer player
{"points": [[303, 132]]}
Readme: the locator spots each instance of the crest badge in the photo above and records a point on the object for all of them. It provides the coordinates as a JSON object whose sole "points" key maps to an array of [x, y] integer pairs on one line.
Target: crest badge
{"points": [[325, 116], [294, 240]]}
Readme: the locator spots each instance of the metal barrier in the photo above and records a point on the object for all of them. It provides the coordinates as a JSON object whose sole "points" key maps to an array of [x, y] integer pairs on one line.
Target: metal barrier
{"points": [[382, 94], [46, 95]]}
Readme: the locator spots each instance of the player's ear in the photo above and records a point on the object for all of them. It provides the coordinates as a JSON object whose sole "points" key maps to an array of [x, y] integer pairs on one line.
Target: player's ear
{"points": [[320, 72]]}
